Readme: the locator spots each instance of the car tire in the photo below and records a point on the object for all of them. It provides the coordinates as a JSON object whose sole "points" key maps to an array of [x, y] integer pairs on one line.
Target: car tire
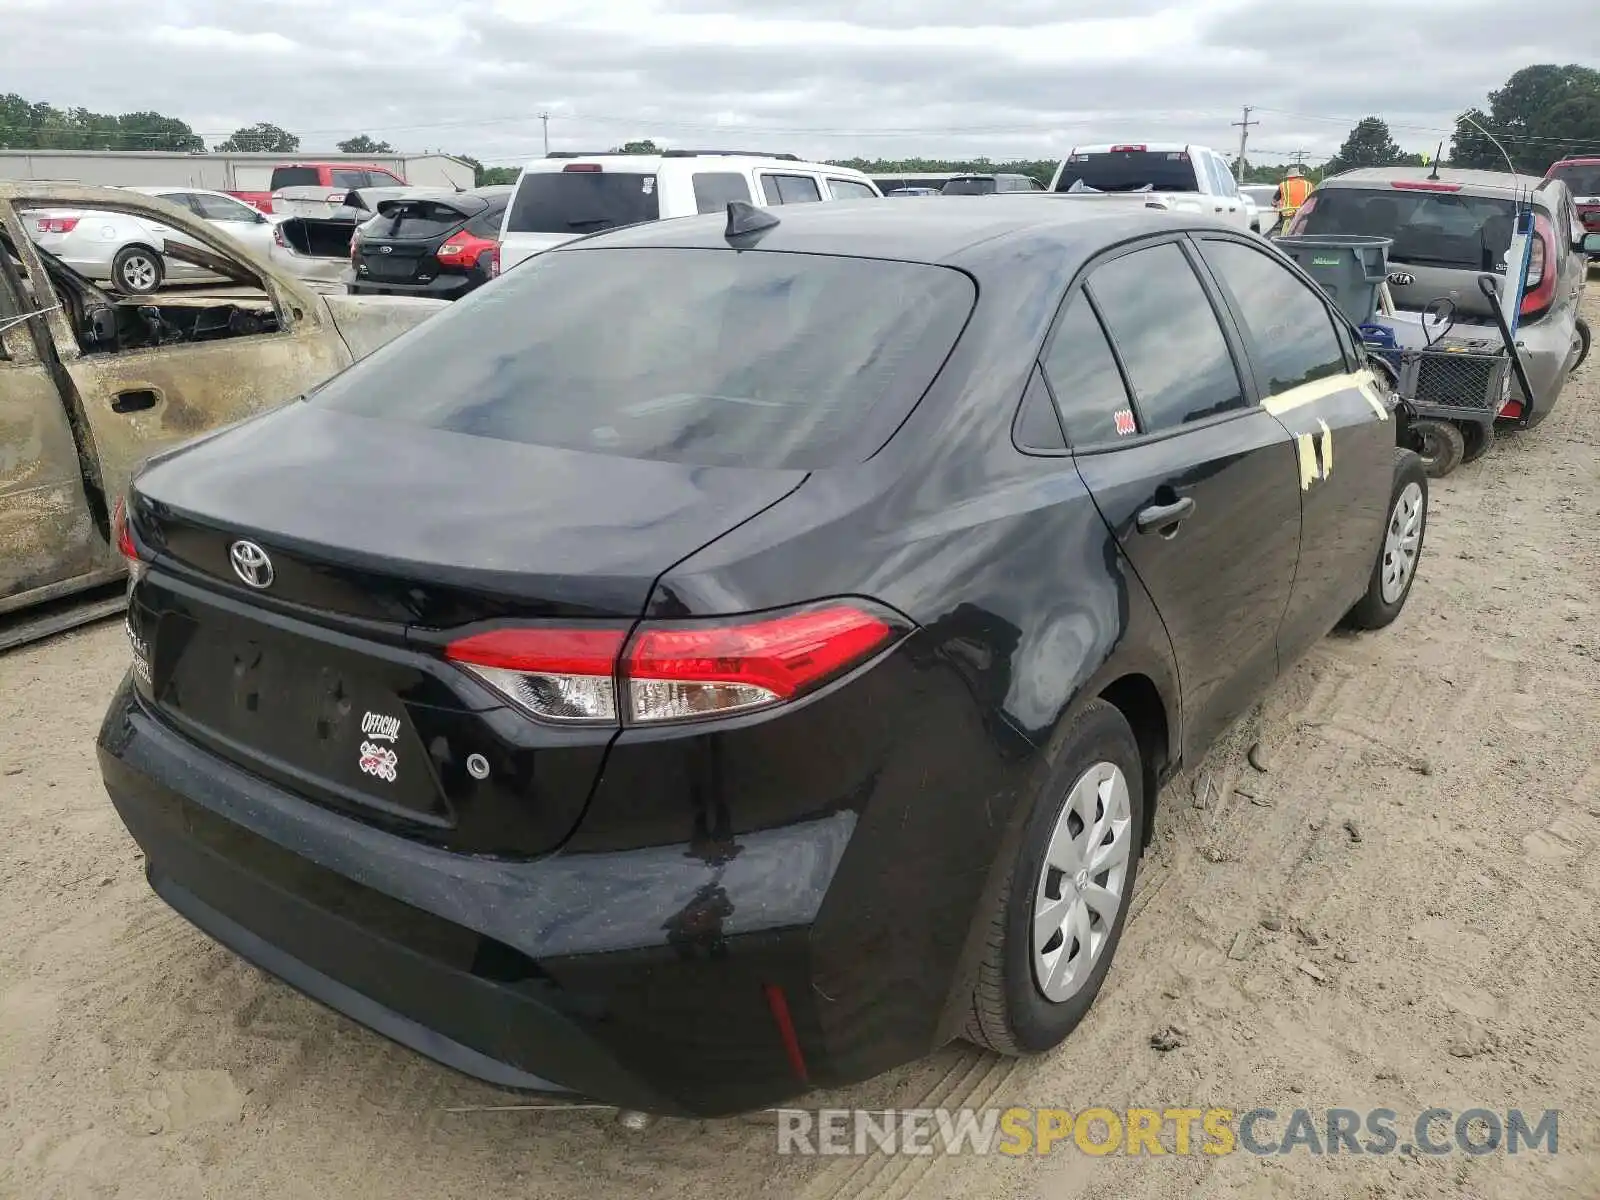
{"points": [[1439, 444], [1400, 550], [1097, 770], [1583, 336], [137, 271], [1477, 439]]}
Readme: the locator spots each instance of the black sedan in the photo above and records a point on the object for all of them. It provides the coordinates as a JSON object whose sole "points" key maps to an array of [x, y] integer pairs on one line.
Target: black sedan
{"points": [[432, 246], [729, 656]]}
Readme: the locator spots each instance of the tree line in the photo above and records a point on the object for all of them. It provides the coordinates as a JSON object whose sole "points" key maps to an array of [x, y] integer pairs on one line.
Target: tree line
{"points": [[1543, 113]]}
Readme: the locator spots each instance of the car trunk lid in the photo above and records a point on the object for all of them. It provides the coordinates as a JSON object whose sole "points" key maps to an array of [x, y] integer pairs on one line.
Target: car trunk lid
{"points": [[308, 568]]}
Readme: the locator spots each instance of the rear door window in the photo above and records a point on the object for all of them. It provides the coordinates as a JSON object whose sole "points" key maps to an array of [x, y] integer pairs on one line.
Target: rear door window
{"points": [[1435, 229], [772, 360], [790, 189], [1292, 334], [350, 180], [849, 189], [715, 190], [287, 177], [1083, 375], [1167, 333], [582, 202], [219, 208], [1130, 170]]}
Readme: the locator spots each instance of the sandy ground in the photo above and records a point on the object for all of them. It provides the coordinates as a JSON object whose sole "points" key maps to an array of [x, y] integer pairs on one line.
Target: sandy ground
{"points": [[1451, 939]]}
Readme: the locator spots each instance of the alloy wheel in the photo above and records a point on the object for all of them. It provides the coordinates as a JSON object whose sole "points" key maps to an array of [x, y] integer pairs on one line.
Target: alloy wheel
{"points": [[139, 273]]}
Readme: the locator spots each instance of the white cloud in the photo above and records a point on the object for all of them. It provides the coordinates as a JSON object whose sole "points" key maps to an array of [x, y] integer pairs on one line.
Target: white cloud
{"points": [[818, 77]]}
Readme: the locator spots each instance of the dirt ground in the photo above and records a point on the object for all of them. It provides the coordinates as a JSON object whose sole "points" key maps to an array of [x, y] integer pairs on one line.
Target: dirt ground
{"points": [[1416, 875]]}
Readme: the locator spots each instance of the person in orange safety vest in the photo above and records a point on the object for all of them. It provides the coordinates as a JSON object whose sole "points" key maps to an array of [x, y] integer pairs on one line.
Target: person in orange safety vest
{"points": [[1292, 193]]}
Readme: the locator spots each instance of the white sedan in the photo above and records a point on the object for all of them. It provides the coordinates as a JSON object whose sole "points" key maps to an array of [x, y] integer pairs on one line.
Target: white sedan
{"points": [[128, 251]]}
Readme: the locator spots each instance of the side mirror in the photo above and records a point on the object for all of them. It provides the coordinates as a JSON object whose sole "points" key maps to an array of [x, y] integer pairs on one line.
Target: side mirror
{"points": [[1591, 244]]}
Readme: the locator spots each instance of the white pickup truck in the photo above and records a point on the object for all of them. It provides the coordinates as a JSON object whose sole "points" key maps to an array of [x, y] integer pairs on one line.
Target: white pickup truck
{"points": [[1180, 177]]}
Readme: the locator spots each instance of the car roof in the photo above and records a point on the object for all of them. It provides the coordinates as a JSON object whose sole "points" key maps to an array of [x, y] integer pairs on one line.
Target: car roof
{"points": [[1501, 184], [650, 164], [173, 189], [964, 231], [1151, 147]]}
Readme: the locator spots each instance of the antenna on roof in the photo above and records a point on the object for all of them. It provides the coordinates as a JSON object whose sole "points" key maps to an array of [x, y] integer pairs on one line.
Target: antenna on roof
{"points": [[1433, 175], [746, 219]]}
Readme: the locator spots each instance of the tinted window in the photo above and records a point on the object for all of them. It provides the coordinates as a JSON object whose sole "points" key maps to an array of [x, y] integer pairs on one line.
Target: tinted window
{"points": [[1037, 426], [1130, 170], [790, 189], [218, 208], [849, 189], [1168, 336], [1294, 336], [416, 219], [977, 186], [1084, 377], [715, 190], [580, 202], [353, 179], [1444, 229], [761, 360], [286, 177]]}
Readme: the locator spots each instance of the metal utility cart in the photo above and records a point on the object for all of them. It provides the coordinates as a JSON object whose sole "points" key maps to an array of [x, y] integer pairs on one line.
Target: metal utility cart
{"points": [[1454, 388]]}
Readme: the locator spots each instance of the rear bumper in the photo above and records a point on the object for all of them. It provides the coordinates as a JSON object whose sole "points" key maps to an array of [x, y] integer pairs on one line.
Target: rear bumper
{"points": [[639, 978], [441, 287]]}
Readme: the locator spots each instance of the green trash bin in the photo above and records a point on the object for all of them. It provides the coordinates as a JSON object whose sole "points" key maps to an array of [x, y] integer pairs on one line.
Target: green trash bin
{"points": [[1350, 268]]}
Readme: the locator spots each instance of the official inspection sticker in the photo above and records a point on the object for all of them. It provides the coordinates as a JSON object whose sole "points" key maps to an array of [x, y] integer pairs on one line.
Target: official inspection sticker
{"points": [[381, 728], [1125, 422], [380, 761]]}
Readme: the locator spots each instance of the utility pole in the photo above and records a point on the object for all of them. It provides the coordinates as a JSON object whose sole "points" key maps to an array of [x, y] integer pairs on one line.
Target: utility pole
{"points": [[1244, 139], [545, 118]]}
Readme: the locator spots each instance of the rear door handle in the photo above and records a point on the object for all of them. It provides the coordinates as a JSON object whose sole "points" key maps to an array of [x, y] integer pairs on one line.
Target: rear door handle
{"points": [[1165, 518], [1218, 208]]}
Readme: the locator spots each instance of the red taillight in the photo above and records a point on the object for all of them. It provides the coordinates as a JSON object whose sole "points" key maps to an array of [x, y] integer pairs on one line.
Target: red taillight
{"points": [[1512, 410], [1423, 185], [463, 250], [122, 538], [555, 674], [1541, 285], [681, 672], [583, 167], [58, 224], [1127, 149], [703, 670]]}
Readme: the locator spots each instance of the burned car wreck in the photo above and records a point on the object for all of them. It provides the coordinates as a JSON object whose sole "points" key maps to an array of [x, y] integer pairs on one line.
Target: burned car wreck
{"points": [[92, 383]]}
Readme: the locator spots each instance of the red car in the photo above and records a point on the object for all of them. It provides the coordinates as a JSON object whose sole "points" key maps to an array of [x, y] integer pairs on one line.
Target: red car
{"points": [[338, 178], [1582, 177]]}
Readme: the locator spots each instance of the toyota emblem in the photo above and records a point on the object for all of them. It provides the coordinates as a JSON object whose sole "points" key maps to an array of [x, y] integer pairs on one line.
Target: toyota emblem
{"points": [[251, 564], [385, 249]]}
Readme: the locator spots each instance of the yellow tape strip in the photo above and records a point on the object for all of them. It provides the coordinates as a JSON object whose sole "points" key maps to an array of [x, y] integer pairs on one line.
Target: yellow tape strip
{"points": [[1320, 389]]}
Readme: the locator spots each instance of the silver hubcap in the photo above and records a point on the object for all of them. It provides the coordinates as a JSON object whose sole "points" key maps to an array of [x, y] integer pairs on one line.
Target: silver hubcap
{"points": [[139, 273], [1082, 885], [1401, 543]]}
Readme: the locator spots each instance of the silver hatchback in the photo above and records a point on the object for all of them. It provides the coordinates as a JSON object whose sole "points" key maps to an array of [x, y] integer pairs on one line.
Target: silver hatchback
{"points": [[1451, 226]]}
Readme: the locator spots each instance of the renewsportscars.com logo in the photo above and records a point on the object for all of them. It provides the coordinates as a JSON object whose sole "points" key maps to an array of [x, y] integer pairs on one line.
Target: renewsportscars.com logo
{"points": [[1174, 1131]]}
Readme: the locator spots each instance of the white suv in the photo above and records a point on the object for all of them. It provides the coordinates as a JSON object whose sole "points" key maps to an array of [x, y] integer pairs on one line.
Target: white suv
{"points": [[567, 196]]}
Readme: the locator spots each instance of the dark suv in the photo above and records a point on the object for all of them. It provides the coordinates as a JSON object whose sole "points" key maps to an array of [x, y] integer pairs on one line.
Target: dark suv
{"points": [[441, 247]]}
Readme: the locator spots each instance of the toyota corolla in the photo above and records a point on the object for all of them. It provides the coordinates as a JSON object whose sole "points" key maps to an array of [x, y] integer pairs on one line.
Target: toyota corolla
{"points": [[735, 655]]}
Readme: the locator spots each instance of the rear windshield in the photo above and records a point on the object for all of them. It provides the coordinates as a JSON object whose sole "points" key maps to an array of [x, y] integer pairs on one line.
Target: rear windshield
{"points": [[1129, 171], [1582, 179], [1433, 229], [582, 201], [969, 187], [763, 360], [417, 219], [286, 177]]}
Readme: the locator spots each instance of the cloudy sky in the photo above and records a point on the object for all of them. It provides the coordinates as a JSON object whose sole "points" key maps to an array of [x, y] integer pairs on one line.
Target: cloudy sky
{"points": [[826, 78]]}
